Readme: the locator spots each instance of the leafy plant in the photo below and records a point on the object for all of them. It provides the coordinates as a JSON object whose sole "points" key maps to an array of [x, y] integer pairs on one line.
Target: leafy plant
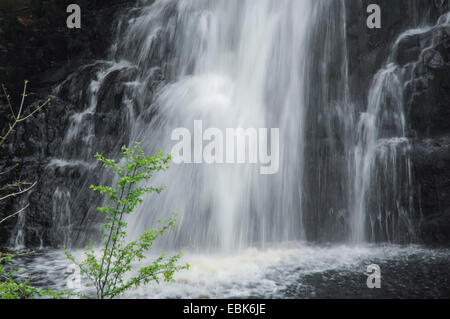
{"points": [[10, 288], [107, 272]]}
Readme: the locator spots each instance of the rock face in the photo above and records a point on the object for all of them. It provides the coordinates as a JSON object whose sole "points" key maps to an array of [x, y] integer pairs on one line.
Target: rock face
{"points": [[424, 56], [36, 45], [369, 48], [428, 106]]}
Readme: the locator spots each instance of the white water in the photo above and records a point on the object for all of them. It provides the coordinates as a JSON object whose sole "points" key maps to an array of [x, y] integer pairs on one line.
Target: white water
{"points": [[381, 136], [238, 64], [286, 270]]}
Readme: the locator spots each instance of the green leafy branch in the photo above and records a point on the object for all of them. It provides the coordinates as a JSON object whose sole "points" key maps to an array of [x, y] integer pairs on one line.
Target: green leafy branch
{"points": [[107, 272]]}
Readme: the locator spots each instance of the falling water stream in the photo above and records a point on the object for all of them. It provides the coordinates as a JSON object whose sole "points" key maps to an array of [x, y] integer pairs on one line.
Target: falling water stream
{"points": [[230, 59], [248, 64]]}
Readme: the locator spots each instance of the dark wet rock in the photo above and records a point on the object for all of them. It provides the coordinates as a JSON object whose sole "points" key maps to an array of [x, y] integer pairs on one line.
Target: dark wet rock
{"points": [[40, 47], [36, 45], [434, 60], [431, 167], [408, 50], [435, 229]]}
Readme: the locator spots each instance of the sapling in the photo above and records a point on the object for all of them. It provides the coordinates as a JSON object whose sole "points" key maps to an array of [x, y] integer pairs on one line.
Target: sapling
{"points": [[111, 271]]}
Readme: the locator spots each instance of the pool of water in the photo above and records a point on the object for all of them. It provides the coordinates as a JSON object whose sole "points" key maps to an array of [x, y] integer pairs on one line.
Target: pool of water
{"points": [[291, 270]]}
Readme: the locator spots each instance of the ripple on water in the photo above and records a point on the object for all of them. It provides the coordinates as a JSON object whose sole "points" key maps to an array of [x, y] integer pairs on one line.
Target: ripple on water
{"points": [[292, 270]]}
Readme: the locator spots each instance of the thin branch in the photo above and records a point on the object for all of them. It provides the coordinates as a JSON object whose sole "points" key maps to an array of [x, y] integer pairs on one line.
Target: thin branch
{"points": [[17, 184], [9, 169], [8, 99], [38, 108], [19, 192], [114, 244], [15, 214], [19, 117], [24, 94], [11, 128]]}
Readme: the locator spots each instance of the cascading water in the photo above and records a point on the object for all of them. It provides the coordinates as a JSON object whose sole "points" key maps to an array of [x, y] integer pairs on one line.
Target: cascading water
{"points": [[383, 208], [61, 223], [329, 128], [344, 169], [382, 179], [17, 240], [239, 64]]}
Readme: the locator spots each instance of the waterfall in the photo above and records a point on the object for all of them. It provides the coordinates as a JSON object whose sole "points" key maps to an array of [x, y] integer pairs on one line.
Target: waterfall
{"points": [[344, 171], [329, 127], [237, 64], [61, 213], [383, 206], [382, 179], [338, 159], [18, 238]]}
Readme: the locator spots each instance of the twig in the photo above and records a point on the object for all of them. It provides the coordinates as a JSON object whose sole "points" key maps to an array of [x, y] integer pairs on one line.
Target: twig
{"points": [[18, 118], [19, 193], [17, 184], [8, 99], [9, 169], [38, 108], [15, 214]]}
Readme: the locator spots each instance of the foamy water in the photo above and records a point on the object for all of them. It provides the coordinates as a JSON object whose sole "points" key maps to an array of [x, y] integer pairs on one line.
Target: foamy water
{"points": [[265, 273]]}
